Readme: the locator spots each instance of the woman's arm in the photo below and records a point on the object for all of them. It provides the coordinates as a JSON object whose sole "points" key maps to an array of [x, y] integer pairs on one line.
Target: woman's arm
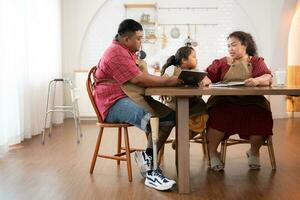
{"points": [[214, 70], [260, 73], [263, 80]]}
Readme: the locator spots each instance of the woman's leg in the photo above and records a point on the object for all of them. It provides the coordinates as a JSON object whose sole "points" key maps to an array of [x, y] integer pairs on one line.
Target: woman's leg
{"points": [[256, 142], [214, 138]]}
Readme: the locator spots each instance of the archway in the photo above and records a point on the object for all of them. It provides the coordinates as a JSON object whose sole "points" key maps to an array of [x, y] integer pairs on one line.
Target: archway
{"points": [[293, 79]]}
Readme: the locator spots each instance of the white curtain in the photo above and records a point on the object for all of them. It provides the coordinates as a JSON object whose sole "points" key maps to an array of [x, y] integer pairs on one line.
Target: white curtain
{"points": [[30, 55]]}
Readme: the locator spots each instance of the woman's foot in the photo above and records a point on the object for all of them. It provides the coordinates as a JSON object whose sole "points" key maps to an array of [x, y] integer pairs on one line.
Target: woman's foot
{"points": [[216, 164], [253, 161]]}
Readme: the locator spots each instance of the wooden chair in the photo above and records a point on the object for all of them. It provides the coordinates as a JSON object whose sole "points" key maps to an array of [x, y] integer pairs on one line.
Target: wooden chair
{"points": [[119, 156], [230, 142]]}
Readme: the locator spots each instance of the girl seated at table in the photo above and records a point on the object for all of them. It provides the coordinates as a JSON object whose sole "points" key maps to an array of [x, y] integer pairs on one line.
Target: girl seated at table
{"points": [[185, 58], [248, 116]]}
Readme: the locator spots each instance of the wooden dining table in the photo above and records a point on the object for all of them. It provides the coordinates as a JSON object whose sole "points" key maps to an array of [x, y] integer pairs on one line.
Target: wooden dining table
{"points": [[182, 130]]}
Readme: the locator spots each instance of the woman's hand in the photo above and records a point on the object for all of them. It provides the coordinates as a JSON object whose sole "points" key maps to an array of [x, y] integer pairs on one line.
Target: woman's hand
{"points": [[252, 82], [264, 80], [205, 82]]}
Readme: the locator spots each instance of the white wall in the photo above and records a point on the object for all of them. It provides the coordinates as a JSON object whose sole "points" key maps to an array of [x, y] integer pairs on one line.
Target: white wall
{"points": [[282, 14], [76, 16], [268, 21], [209, 27], [294, 40]]}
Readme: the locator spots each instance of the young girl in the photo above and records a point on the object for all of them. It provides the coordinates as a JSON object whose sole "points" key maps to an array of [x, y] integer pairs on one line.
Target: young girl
{"points": [[185, 58]]}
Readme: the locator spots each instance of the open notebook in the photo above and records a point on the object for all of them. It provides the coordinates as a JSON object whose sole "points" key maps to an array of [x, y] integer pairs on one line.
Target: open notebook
{"points": [[227, 84]]}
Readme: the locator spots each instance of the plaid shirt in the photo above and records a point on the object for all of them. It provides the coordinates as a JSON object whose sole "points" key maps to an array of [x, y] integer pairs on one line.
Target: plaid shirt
{"points": [[119, 64]]}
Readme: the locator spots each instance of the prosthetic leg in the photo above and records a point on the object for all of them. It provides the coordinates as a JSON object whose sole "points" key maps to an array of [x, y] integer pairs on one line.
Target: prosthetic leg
{"points": [[154, 177], [154, 122]]}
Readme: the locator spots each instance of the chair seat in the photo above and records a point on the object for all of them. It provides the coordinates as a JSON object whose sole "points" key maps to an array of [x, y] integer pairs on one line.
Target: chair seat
{"points": [[113, 125]]}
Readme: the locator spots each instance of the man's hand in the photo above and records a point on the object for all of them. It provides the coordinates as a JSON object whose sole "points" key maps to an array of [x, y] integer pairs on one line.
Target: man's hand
{"points": [[173, 81], [148, 80]]}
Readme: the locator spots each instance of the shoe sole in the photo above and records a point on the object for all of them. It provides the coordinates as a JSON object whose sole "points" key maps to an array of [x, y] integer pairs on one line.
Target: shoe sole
{"points": [[167, 187]]}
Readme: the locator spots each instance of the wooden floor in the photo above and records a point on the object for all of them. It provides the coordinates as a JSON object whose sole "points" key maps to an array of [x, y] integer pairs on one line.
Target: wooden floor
{"points": [[60, 169]]}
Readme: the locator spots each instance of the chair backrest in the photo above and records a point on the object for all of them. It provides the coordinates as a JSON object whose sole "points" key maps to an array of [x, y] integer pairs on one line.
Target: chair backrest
{"points": [[90, 90]]}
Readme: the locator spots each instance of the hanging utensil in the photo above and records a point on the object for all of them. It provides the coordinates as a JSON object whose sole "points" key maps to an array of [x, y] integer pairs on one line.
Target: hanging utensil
{"points": [[150, 35], [188, 41], [175, 33], [164, 39], [195, 43]]}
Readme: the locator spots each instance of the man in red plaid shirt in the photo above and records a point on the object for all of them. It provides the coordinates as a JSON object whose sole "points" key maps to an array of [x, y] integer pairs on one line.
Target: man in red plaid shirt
{"points": [[118, 67]]}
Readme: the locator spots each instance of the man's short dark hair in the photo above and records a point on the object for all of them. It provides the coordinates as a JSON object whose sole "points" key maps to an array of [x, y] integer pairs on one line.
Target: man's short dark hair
{"points": [[129, 26]]}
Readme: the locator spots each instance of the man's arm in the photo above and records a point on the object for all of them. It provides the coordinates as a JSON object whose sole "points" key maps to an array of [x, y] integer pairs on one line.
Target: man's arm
{"points": [[148, 80]]}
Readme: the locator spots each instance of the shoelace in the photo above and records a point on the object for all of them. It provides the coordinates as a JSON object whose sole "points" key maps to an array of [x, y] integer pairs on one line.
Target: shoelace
{"points": [[158, 174], [149, 161]]}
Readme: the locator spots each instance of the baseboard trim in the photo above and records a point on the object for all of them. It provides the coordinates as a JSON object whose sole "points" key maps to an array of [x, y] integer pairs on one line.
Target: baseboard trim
{"points": [[285, 115], [275, 116]]}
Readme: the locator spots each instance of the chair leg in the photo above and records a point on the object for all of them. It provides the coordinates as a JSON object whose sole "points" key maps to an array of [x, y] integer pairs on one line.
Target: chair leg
{"points": [[96, 150], [205, 141], [161, 154], [119, 143], [223, 151], [271, 152], [203, 149], [204, 145], [128, 159]]}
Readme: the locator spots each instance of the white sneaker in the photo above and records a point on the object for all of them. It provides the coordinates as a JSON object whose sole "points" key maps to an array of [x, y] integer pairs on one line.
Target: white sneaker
{"points": [[143, 161], [158, 181]]}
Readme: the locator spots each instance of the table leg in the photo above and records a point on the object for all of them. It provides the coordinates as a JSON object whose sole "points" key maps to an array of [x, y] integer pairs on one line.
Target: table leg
{"points": [[183, 149]]}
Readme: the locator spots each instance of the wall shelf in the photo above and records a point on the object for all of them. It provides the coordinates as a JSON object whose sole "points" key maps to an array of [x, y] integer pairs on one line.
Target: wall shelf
{"points": [[187, 8], [140, 5], [198, 24], [148, 23], [148, 18]]}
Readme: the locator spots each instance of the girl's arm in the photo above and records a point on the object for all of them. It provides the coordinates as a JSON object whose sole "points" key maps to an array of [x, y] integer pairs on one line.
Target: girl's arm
{"points": [[205, 82]]}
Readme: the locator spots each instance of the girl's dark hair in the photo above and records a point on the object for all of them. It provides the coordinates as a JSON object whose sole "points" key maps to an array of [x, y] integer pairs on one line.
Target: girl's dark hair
{"points": [[247, 40], [176, 60]]}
